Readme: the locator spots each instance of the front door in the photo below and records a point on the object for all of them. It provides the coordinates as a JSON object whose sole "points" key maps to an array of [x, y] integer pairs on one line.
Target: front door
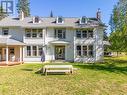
{"points": [[60, 52]]}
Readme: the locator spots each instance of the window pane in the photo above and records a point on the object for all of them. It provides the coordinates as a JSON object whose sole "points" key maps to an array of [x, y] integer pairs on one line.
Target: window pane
{"points": [[79, 50], [28, 33], [40, 50], [11, 50], [85, 50], [90, 53], [36, 19], [5, 31], [40, 33], [60, 35], [78, 34], [34, 50], [90, 32], [84, 34], [83, 20], [34, 33], [60, 20], [28, 50]]}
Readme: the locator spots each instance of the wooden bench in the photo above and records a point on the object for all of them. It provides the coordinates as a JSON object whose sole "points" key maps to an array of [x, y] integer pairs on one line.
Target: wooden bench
{"points": [[57, 69]]}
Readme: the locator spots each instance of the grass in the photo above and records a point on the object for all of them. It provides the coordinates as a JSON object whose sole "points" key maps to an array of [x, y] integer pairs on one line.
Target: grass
{"points": [[108, 78]]}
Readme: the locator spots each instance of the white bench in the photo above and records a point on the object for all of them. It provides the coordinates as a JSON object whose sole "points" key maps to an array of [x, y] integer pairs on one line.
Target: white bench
{"points": [[57, 69]]}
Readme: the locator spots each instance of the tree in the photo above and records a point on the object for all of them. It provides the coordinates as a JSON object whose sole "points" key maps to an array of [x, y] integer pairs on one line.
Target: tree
{"points": [[51, 14], [24, 6], [118, 23]]}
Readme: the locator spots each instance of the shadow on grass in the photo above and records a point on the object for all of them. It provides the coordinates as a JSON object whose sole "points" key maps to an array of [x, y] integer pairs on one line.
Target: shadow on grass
{"points": [[115, 66], [27, 69]]}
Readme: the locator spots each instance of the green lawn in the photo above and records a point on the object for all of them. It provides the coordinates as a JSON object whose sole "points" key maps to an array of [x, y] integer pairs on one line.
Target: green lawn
{"points": [[109, 78]]}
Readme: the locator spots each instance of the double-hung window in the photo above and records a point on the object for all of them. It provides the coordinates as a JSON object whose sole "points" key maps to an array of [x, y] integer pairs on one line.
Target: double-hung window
{"points": [[28, 33], [90, 50], [33, 33], [60, 33], [40, 50], [40, 34], [85, 50], [34, 51], [79, 50], [78, 34], [84, 33], [28, 50]]}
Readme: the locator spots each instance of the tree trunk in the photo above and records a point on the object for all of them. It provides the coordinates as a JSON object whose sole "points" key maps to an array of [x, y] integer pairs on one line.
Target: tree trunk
{"points": [[117, 53]]}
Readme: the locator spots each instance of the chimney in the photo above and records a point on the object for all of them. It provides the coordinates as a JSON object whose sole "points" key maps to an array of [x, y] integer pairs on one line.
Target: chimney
{"points": [[98, 15], [21, 15]]}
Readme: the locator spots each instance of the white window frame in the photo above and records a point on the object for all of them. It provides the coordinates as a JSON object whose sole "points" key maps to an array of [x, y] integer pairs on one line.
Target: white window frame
{"points": [[63, 33], [57, 20], [31, 33], [87, 33], [5, 30], [31, 51], [87, 50], [81, 19]]}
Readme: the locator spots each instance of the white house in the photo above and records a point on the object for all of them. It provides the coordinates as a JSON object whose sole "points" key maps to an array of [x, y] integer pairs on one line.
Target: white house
{"points": [[71, 39]]}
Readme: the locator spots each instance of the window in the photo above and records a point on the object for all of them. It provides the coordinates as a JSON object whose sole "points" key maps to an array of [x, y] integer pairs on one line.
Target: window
{"points": [[37, 19], [90, 34], [12, 51], [40, 50], [60, 20], [79, 50], [78, 34], [83, 20], [34, 33], [28, 33], [5, 31], [34, 50], [28, 50], [60, 33], [40, 34], [90, 51], [85, 50], [84, 33]]}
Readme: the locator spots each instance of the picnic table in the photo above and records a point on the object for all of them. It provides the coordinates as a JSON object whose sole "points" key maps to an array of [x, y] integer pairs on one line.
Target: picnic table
{"points": [[57, 69]]}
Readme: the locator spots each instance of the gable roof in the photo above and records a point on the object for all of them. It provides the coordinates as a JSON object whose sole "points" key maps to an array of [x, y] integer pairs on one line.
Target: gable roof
{"points": [[49, 22]]}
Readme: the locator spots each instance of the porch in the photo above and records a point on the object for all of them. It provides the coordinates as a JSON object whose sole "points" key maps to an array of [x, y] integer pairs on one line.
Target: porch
{"points": [[11, 52], [3, 63]]}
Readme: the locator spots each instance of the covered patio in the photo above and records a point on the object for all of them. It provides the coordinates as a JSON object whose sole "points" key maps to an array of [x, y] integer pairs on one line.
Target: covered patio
{"points": [[11, 51]]}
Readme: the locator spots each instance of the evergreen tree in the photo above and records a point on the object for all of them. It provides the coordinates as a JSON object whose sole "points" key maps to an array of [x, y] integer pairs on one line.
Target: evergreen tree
{"points": [[51, 14], [24, 6], [118, 23]]}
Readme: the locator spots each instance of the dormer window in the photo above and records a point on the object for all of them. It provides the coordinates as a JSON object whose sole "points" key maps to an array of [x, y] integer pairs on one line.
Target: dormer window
{"points": [[83, 20], [36, 19], [60, 20]]}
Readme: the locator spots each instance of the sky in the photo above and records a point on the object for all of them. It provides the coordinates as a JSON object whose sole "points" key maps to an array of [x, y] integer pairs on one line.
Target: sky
{"points": [[73, 8]]}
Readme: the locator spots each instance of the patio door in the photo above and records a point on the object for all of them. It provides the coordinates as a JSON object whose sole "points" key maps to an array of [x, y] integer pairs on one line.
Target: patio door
{"points": [[60, 52]]}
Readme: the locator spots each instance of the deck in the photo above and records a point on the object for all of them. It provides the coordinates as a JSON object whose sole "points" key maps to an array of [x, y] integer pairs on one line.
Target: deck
{"points": [[3, 63]]}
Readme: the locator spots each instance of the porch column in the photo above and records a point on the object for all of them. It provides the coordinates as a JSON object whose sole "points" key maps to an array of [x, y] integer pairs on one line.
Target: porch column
{"points": [[20, 53], [6, 54]]}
